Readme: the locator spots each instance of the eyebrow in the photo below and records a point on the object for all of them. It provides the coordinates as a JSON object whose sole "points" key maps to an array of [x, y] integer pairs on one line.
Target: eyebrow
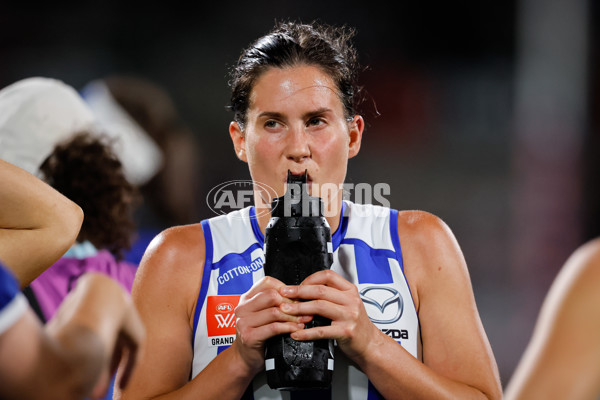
{"points": [[278, 115]]}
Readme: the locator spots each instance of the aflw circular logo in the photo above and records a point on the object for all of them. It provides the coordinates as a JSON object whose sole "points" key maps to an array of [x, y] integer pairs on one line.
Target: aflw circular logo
{"points": [[235, 195]]}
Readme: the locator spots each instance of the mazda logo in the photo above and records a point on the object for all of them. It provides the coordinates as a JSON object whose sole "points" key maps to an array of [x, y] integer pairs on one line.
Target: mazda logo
{"points": [[383, 298]]}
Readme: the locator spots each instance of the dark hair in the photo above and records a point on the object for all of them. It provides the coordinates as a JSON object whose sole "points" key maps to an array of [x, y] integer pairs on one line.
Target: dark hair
{"points": [[292, 44], [85, 170]]}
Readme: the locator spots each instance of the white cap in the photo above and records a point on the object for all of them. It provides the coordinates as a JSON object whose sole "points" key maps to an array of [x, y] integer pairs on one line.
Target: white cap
{"points": [[38, 113], [35, 115], [140, 155]]}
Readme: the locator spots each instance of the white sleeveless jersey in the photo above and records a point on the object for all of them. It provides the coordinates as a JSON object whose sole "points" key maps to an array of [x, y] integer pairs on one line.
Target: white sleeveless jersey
{"points": [[366, 251]]}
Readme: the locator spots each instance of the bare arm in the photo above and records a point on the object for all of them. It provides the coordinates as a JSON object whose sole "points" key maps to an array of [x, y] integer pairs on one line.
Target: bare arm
{"points": [[166, 282], [457, 359], [37, 224], [165, 290], [562, 359], [71, 357]]}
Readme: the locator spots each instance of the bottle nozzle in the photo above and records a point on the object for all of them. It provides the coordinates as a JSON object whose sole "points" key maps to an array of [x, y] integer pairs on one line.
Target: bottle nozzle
{"points": [[296, 201]]}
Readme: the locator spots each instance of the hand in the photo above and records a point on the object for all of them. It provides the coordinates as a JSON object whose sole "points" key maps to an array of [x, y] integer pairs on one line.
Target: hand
{"points": [[126, 350], [331, 296], [259, 317], [100, 327]]}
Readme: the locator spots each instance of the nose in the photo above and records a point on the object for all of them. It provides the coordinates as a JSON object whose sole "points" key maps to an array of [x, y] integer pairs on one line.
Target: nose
{"points": [[298, 147]]}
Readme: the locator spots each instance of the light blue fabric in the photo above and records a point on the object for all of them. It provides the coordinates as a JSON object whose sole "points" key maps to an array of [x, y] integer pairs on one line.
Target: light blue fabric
{"points": [[81, 250]]}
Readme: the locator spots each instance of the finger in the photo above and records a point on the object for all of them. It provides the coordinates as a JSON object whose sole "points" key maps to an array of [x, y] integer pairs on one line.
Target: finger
{"points": [[269, 316], [101, 387], [318, 333], [131, 361], [329, 278], [130, 341], [315, 292], [116, 357], [323, 308], [264, 332], [266, 283], [262, 300]]}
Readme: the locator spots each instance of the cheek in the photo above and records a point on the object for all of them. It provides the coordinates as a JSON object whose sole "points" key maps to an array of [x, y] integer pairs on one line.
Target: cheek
{"points": [[260, 149], [334, 148]]}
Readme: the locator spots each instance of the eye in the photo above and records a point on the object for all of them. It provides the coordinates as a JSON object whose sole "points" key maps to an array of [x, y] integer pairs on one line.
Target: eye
{"points": [[315, 121], [271, 124]]}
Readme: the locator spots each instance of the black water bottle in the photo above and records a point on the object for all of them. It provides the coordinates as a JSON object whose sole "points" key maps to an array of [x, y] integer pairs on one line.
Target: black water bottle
{"points": [[298, 244]]}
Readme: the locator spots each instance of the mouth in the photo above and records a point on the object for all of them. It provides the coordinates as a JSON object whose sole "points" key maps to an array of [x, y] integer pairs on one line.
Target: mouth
{"points": [[299, 174]]}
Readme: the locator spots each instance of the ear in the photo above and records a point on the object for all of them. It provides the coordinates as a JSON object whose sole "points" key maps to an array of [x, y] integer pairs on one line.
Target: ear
{"points": [[357, 125], [239, 140]]}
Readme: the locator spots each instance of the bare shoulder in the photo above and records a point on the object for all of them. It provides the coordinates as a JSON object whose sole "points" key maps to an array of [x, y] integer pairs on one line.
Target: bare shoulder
{"points": [[431, 255], [579, 279], [425, 236], [173, 263], [585, 261], [175, 246], [422, 225]]}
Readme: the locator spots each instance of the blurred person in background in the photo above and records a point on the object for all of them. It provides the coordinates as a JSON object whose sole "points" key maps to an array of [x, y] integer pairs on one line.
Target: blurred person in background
{"points": [[294, 98], [44, 122], [74, 355], [84, 169], [562, 360], [48, 129], [161, 154]]}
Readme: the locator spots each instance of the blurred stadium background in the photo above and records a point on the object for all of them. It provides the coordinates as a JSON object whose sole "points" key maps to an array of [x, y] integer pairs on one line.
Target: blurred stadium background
{"points": [[487, 113]]}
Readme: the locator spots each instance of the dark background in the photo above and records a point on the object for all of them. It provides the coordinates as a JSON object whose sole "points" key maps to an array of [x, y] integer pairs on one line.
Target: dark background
{"points": [[487, 113]]}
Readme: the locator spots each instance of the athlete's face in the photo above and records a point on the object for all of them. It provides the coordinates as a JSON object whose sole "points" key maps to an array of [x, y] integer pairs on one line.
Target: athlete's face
{"points": [[296, 122]]}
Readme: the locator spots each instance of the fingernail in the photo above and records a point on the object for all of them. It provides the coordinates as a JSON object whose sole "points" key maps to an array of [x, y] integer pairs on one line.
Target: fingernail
{"points": [[286, 290]]}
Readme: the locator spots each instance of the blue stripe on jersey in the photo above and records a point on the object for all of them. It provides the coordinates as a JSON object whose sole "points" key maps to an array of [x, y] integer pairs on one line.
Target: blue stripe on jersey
{"points": [[397, 245], [255, 228], [395, 237], [236, 271], [208, 256], [373, 394], [9, 287], [227, 259], [340, 232], [372, 265]]}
